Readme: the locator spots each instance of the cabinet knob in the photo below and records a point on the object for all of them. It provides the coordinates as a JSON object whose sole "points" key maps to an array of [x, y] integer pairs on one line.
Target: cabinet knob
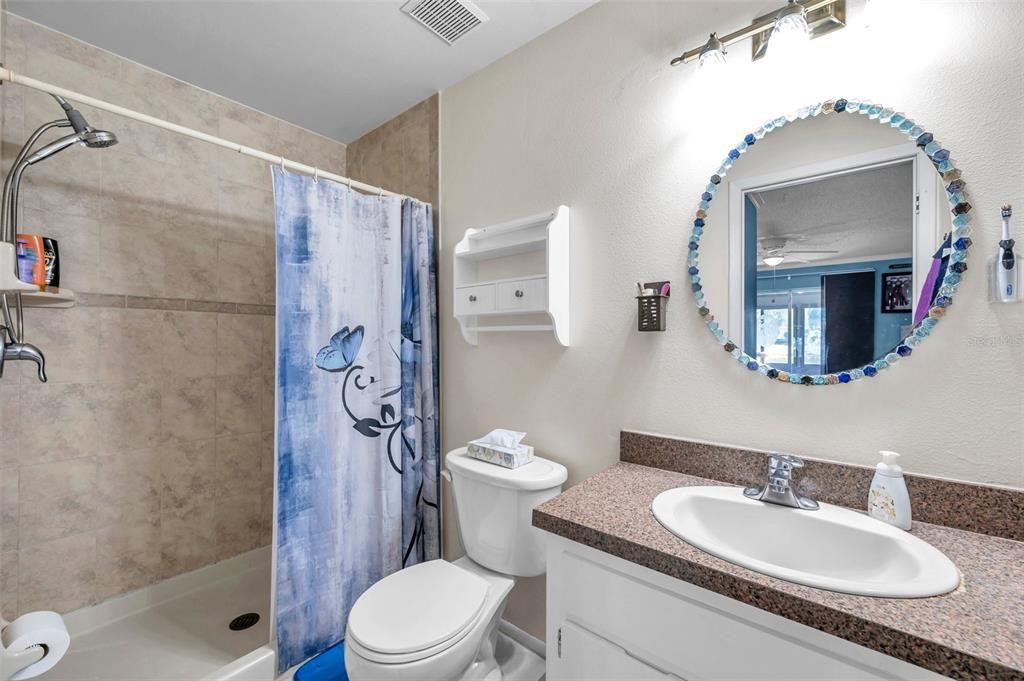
{"points": [[519, 293], [472, 299]]}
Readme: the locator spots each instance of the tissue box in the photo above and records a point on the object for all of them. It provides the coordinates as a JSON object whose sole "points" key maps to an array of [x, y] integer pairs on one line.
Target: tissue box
{"points": [[501, 456]]}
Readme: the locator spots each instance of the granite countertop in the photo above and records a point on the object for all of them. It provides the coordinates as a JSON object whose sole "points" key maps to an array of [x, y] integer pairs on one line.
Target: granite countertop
{"points": [[975, 632]]}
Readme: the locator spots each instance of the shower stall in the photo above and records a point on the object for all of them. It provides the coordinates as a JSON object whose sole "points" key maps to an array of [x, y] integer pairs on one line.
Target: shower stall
{"points": [[149, 516]]}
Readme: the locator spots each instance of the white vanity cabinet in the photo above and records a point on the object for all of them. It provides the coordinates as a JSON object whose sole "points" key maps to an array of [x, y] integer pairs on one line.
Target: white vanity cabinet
{"points": [[609, 619]]}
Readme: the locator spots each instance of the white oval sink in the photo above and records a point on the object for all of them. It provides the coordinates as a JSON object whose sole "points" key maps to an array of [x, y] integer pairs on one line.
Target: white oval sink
{"points": [[831, 548]]}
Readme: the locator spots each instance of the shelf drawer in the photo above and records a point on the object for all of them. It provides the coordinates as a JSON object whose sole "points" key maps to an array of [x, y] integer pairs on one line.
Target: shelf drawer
{"points": [[472, 300], [522, 296]]}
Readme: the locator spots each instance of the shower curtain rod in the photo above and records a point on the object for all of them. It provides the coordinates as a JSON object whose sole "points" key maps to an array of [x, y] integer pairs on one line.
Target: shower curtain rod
{"points": [[6, 75]]}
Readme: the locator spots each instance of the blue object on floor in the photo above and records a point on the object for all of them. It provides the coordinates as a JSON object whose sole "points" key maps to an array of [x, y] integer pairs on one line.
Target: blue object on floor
{"points": [[327, 666]]}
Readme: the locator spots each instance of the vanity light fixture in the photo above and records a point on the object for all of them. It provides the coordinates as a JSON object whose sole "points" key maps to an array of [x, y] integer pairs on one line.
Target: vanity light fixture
{"points": [[774, 260], [712, 55], [812, 18], [791, 31]]}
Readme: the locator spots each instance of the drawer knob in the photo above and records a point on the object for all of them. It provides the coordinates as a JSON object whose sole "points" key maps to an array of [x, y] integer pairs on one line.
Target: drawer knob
{"points": [[519, 293], [472, 299]]}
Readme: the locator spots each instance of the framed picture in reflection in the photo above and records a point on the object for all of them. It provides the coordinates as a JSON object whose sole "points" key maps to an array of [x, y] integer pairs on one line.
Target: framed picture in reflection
{"points": [[897, 292]]}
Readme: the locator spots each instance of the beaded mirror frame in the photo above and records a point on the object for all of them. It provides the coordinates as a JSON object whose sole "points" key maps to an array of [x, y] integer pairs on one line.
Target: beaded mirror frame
{"points": [[960, 240]]}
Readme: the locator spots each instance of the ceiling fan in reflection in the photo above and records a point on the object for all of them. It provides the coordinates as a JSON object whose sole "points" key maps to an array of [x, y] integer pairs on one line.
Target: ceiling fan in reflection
{"points": [[773, 251]]}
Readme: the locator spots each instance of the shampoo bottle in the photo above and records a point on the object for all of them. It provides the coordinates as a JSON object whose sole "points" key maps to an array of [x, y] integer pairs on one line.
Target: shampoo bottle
{"points": [[888, 499]]}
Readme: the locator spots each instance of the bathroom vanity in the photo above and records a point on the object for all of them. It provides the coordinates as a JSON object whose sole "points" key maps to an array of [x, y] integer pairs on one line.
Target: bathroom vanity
{"points": [[628, 599]]}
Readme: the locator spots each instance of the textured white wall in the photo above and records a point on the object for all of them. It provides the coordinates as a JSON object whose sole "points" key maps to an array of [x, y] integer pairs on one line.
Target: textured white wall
{"points": [[591, 115]]}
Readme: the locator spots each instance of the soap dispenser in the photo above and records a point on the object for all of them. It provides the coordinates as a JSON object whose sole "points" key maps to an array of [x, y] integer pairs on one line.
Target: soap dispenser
{"points": [[888, 499]]}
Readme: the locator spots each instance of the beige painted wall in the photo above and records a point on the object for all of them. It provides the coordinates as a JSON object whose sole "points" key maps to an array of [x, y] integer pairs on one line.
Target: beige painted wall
{"points": [[591, 115], [401, 154], [150, 450]]}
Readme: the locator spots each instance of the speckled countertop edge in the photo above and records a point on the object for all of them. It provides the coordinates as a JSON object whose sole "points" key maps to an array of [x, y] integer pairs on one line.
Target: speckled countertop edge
{"points": [[976, 632]]}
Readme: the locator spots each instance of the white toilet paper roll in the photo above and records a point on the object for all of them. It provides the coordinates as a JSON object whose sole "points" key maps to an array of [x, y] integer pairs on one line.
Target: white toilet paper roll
{"points": [[32, 629]]}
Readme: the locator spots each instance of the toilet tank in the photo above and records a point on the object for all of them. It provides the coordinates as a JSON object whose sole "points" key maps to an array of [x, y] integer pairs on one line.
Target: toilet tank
{"points": [[494, 507]]}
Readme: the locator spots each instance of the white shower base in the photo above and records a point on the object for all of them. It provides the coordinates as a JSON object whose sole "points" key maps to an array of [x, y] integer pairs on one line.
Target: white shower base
{"points": [[177, 630]]}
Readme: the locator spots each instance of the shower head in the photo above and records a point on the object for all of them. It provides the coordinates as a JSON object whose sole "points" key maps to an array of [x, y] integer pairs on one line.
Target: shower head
{"points": [[94, 139], [99, 139]]}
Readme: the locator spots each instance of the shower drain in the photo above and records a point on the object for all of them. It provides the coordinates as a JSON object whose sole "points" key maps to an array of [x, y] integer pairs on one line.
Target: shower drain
{"points": [[244, 621]]}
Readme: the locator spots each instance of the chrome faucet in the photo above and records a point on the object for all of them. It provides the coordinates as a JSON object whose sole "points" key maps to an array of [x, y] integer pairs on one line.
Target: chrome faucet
{"points": [[18, 351], [780, 488]]}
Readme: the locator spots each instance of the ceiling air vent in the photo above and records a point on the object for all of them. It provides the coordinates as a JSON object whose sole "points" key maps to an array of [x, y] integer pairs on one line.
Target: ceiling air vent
{"points": [[449, 20]]}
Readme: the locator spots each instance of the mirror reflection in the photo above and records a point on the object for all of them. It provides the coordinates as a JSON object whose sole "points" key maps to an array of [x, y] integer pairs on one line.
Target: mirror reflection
{"points": [[824, 245]]}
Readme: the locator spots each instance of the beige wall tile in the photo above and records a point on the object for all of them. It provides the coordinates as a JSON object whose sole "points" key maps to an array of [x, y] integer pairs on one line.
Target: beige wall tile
{"points": [[128, 556], [188, 408], [188, 538], [9, 509], [238, 405], [70, 339], [268, 416], [401, 154], [191, 343], [239, 344], [239, 524], [128, 487], [9, 584], [127, 416], [187, 475], [58, 575], [10, 397], [58, 423], [130, 260], [57, 500], [239, 465], [189, 260], [245, 214], [133, 344], [243, 274]]}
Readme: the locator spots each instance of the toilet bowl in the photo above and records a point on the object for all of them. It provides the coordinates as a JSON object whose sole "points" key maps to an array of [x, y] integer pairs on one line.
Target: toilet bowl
{"points": [[438, 621]]}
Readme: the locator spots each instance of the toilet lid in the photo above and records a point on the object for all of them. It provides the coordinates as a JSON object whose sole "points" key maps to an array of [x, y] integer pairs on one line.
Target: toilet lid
{"points": [[417, 608]]}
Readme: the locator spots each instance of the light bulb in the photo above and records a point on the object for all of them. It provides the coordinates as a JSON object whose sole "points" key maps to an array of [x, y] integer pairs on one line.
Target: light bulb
{"points": [[712, 55], [774, 260], [791, 32]]}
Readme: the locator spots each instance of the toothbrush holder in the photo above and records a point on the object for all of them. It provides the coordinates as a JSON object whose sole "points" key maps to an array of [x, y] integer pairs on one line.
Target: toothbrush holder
{"points": [[651, 309]]}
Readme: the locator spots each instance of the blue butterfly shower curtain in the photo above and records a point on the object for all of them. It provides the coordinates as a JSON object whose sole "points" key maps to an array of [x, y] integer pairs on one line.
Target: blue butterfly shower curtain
{"points": [[357, 392]]}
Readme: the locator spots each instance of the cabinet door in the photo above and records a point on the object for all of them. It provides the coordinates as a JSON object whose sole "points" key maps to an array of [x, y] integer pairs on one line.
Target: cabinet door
{"points": [[584, 656]]}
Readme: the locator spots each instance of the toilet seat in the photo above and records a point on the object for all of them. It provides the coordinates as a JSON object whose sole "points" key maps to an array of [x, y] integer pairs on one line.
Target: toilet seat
{"points": [[417, 612]]}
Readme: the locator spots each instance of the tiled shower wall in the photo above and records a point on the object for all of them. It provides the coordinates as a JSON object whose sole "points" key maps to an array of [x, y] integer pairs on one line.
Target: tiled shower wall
{"points": [[149, 452], [401, 154]]}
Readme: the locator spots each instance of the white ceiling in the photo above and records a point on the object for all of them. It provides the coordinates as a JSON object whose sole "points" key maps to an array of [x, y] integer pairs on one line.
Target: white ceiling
{"points": [[338, 67], [863, 215]]}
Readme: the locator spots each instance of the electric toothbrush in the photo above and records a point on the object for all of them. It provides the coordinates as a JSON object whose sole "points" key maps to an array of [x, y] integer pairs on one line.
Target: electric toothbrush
{"points": [[1005, 265]]}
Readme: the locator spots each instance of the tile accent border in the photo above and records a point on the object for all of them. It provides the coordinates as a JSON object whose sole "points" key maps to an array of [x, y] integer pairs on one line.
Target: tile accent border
{"points": [[995, 511], [178, 304]]}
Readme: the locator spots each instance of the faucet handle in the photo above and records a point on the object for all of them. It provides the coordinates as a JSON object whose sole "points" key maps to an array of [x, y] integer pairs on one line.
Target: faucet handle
{"points": [[786, 462]]}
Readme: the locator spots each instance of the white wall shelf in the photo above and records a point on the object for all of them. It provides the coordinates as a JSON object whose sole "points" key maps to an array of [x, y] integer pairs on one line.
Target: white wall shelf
{"points": [[477, 298]]}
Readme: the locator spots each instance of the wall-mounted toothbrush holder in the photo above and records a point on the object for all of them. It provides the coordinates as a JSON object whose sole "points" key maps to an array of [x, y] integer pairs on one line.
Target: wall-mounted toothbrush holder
{"points": [[651, 305]]}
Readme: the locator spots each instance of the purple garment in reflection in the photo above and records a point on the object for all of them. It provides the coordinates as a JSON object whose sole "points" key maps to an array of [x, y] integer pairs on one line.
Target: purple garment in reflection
{"points": [[930, 289]]}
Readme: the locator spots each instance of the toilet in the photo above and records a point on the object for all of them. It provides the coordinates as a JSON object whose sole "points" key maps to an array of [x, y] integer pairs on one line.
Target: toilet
{"points": [[439, 620]]}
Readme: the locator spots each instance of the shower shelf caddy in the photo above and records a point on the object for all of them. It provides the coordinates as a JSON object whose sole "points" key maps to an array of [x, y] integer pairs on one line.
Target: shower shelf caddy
{"points": [[477, 299], [51, 297]]}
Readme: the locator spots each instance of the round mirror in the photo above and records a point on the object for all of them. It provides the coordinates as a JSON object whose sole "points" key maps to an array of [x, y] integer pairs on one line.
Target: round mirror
{"points": [[831, 241]]}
